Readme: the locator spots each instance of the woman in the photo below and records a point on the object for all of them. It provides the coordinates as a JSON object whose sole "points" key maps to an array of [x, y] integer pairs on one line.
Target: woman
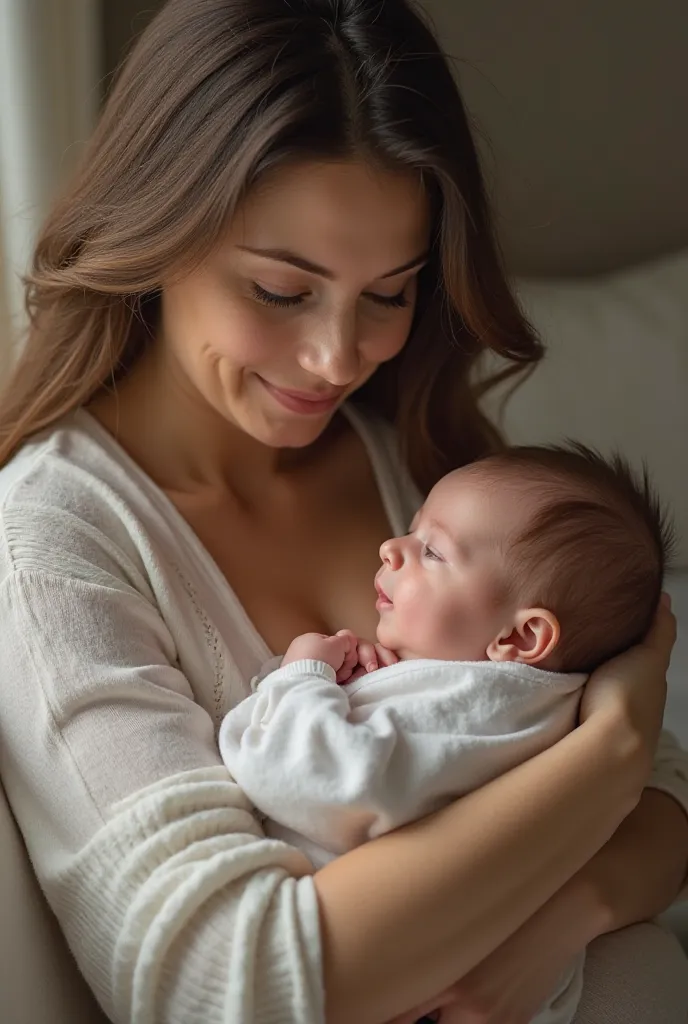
{"points": [[282, 208]]}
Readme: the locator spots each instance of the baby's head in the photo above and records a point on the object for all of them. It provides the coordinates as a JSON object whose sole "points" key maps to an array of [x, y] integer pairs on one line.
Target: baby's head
{"points": [[550, 556]]}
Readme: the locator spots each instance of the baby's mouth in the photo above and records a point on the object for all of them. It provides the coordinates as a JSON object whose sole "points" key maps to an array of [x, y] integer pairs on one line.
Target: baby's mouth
{"points": [[383, 600]]}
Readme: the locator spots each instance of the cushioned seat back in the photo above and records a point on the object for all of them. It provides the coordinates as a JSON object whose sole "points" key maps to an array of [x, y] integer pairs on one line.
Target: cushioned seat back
{"points": [[39, 980]]}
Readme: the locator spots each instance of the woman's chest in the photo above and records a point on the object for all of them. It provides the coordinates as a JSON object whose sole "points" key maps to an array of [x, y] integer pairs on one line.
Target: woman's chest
{"points": [[299, 580], [303, 564]]}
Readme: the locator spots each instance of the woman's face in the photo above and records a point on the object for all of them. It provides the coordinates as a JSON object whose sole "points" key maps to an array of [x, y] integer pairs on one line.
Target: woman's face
{"points": [[311, 289]]}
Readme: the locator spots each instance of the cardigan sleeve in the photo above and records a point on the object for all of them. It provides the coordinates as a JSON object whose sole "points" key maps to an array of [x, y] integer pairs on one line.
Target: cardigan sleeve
{"points": [[176, 906]]}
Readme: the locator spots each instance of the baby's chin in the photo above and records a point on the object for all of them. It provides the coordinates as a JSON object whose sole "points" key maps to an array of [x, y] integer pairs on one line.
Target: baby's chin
{"points": [[385, 635], [387, 638]]}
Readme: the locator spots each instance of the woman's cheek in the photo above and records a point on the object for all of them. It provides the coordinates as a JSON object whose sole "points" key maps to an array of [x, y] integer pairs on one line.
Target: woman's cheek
{"points": [[401, 333], [250, 338], [388, 344]]}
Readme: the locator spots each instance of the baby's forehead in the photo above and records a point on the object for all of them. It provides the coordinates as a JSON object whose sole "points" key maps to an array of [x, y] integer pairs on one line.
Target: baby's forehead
{"points": [[463, 504], [484, 484], [493, 501], [490, 478]]}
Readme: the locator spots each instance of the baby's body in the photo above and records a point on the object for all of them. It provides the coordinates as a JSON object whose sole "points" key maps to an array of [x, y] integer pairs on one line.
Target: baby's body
{"points": [[361, 758], [475, 649]]}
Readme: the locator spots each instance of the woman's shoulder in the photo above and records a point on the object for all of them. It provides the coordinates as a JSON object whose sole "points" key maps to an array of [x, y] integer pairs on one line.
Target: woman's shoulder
{"points": [[63, 459], [65, 501]]}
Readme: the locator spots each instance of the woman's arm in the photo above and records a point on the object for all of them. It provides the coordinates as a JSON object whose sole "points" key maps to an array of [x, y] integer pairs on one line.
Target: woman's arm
{"points": [[632, 878], [639, 872], [407, 914]]}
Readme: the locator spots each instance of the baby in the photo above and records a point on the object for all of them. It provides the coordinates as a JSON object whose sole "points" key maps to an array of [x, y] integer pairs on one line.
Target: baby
{"points": [[520, 574]]}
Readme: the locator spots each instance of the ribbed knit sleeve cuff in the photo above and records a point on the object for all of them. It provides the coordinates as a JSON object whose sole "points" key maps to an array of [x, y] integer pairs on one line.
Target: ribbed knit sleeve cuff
{"points": [[308, 667]]}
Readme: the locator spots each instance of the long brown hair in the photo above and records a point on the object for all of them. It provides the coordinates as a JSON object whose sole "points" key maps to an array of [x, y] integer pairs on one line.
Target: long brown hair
{"points": [[215, 93]]}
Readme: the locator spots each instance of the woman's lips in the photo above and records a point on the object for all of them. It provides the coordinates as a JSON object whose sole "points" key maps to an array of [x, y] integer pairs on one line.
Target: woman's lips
{"points": [[304, 403]]}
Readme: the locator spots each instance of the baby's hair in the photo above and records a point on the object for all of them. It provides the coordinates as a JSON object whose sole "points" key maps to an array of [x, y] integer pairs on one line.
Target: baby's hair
{"points": [[596, 551]]}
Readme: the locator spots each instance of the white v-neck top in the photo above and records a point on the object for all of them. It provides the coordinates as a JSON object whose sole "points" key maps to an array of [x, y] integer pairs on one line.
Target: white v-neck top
{"points": [[123, 646]]}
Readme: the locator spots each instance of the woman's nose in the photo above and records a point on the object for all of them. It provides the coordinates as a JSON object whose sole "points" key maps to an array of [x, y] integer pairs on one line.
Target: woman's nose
{"points": [[391, 553], [333, 353]]}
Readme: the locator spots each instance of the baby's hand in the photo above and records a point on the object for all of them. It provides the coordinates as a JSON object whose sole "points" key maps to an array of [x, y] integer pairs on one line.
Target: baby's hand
{"points": [[371, 657], [338, 651]]}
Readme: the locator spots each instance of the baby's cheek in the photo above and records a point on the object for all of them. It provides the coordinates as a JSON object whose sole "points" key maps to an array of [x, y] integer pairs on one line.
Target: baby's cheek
{"points": [[451, 624]]}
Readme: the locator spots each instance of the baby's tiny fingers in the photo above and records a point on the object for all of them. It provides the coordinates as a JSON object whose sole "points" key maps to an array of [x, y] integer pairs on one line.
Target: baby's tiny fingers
{"points": [[367, 655], [385, 656], [351, 659], [347, 634]]}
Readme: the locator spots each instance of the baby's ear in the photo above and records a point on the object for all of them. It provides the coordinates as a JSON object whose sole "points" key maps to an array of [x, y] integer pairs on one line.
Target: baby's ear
{"points": [[530, 639]]}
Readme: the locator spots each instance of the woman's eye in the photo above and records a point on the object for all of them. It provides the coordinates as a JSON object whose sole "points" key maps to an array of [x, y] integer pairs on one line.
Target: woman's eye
{"points": [[267, 298], [271, 299], [399, 301]]}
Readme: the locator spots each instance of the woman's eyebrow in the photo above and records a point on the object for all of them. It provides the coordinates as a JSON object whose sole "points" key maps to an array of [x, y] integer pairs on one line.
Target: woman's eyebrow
{"points": [[286, 256]]}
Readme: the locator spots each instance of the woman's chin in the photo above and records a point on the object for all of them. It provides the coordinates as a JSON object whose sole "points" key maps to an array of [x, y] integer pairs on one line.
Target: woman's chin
{"points": [[287, 432]]}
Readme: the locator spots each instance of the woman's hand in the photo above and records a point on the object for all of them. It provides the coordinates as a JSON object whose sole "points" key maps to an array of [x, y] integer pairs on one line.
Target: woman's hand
{"points": [[632, 686]]}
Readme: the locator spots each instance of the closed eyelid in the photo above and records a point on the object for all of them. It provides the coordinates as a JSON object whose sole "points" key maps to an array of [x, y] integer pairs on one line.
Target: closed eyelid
{"points": [[370, 291]]}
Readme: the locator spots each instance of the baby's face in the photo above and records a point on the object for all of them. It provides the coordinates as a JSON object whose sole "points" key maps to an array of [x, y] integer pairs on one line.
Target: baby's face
{"points": [[442, 589]]}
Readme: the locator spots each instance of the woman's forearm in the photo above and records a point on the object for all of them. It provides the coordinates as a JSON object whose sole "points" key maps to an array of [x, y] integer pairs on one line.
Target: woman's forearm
{"points": [[638, 873], [633, 877], [405, 916]]}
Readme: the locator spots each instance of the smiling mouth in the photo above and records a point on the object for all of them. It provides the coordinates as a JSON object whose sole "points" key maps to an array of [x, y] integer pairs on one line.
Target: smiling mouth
{"points": [[303, 402]]}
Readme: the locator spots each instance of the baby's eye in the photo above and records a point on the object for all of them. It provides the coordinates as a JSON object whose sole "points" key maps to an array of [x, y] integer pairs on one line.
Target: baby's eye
{"points": [[429, 553]]}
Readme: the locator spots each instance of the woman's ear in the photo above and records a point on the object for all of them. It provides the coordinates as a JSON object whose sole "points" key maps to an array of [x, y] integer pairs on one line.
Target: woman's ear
{"points": [[531, 638]]}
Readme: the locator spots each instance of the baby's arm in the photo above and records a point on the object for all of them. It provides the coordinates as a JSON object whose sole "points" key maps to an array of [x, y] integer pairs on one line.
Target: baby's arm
{"points": [[302, 760]]}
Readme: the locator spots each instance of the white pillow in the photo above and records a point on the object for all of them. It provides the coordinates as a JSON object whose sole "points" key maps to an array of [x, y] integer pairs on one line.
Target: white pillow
{"points": [[616, 372]]}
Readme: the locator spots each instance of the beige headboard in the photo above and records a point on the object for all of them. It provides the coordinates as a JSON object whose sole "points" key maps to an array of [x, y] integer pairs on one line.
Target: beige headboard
{"points": [[584, 106]]}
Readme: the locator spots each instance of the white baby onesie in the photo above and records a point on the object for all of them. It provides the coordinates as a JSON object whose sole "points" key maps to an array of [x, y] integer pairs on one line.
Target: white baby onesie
{"points": [[333, 766]]}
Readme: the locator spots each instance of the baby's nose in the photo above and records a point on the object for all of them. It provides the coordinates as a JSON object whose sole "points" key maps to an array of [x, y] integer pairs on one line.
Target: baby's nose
{"points": [[390, 553]]}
